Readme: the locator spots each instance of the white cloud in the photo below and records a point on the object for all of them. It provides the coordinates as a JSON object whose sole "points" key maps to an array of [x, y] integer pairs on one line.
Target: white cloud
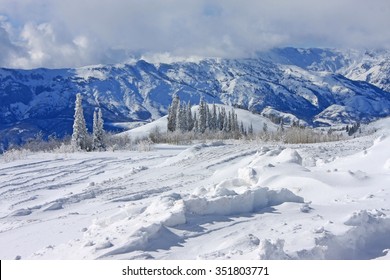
{"points": [[79, 32]]}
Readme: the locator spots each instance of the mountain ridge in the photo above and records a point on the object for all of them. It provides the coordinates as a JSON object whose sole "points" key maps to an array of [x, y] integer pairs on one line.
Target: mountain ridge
{"points": [[318, 86]]}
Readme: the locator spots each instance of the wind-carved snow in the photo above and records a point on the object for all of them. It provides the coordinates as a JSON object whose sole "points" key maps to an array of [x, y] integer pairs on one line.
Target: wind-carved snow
{"points": [[213, 200]]}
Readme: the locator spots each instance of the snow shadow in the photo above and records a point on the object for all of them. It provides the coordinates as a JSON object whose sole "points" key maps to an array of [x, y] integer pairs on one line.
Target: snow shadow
{"points": [[368, 238]]}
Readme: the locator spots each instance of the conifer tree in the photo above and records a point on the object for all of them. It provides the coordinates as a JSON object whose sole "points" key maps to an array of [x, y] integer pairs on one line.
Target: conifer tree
{"points": [[225, 123], [190, 120], [172, 113], [242, 129], [281, 126], [80, 135], [234, 121], [250, 129], [221, 118], [196, 123], [181, 118], [229, 122], [202, 121], [209, 118], [98, 131], [214, 118], [265, 127]]}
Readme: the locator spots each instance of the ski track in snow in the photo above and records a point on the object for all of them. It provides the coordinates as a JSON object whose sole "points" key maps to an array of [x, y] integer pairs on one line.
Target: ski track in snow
{"points": [[235, 200]]}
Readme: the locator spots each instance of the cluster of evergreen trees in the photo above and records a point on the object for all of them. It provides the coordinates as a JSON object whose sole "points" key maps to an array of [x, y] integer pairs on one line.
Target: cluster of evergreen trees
{"points": [[352, 129], [81, 140], [205, 119]]}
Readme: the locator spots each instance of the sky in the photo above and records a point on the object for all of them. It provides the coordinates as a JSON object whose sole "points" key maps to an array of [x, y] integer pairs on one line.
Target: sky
{"points": [[74, 33]]}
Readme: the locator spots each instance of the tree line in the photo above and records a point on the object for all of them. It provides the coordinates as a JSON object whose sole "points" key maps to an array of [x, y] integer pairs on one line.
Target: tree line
{"points": [[205, 119], [183, 126]]}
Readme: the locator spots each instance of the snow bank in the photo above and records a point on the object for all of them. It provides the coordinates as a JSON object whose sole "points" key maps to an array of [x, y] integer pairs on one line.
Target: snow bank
{"points": [[168, 210], [272, 250], [136, 228], [221, 201], [368, 238], [289, 155], [248, 174], [191, 152]]}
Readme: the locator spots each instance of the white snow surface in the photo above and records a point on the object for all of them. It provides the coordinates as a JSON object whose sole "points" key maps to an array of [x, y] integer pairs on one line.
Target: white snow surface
{"points": [[213, 200]]}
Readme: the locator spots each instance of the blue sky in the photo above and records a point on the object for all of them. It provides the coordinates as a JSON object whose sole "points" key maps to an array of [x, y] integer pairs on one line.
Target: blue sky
{"points": [[71, 33]]}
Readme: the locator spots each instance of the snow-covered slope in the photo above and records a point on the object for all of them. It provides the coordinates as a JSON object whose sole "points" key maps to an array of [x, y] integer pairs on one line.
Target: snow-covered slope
{"points": [[257, 121], [372, 66], [233, 200], [314, 85]]}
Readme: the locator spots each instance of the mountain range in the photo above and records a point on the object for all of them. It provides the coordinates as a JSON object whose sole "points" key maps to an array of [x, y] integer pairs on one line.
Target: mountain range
{"points": [[320, 87]]}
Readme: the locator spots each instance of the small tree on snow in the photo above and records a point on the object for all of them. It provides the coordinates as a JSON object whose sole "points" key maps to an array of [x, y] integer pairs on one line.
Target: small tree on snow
{"points": [[181, 118], [250, 129], [214, 118], [172, 113], [265, 127], [202, 116], [98, 131], [80, 134], [190, 119]]}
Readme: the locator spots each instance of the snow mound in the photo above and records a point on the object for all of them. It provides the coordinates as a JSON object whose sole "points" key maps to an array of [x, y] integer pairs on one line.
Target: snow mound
{"points": [[272, 250], [368, 238], [168, 210], [233, 247], [248, 174], [21, 212], [360, 175], [186, 154], [365, 217], [136, 229], [235, 182], [221, 201], [54, 206], [289, 155]]}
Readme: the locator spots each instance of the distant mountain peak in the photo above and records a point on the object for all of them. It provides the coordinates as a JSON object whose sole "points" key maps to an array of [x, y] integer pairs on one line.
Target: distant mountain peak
{"points": [[317, 86]]}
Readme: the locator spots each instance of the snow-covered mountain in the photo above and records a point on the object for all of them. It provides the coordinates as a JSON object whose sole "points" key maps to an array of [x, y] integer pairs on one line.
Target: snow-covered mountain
{"points": [[318, 86]]}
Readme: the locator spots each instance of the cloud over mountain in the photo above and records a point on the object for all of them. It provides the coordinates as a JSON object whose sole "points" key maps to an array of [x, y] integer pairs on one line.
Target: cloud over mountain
{"points": [[75, 33]]}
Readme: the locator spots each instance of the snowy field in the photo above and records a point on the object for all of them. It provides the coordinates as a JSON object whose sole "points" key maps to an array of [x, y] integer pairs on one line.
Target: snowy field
{"points": [[218, 200]]}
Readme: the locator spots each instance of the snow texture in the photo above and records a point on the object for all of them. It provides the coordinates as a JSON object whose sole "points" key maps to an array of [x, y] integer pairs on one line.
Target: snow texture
{"points": [[213, 200]]}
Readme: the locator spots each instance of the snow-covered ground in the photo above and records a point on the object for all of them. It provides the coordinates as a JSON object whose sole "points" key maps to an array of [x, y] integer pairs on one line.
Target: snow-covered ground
{"points": [[217, 200]]}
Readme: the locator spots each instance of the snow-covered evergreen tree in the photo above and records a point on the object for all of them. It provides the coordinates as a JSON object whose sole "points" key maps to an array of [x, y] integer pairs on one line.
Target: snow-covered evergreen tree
{"points": [[196, 123], [250, 129], [229, 122], [190, 119], [242, 129], [181, 118], [281, 126], [172, 113], [265, 127], [209, 118], [98, 131], [214, 118], [221, 118], [225, 122], [234, 124], [80, 135], [202, 116]]}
